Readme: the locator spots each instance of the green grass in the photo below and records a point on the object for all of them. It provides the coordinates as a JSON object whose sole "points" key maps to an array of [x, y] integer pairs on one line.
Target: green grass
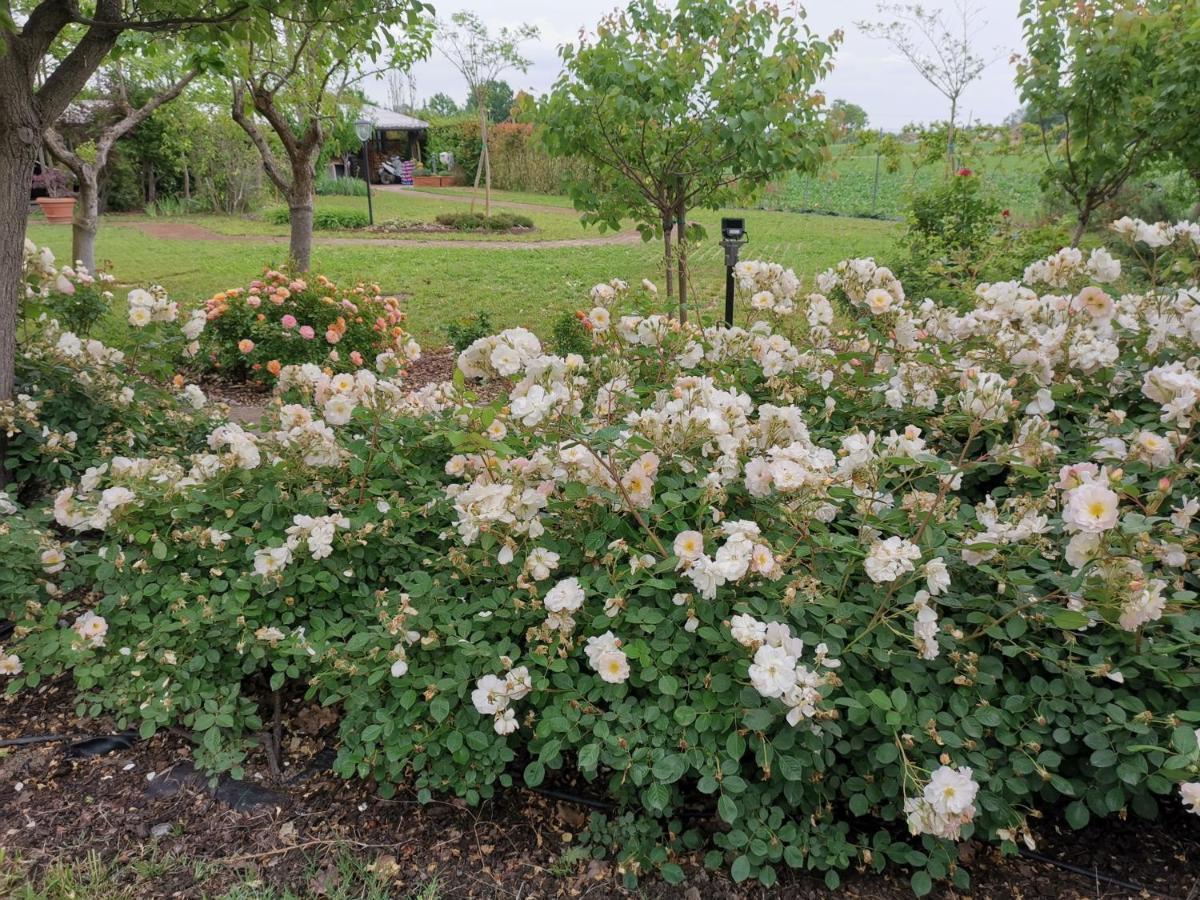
{"points": [[500, 197], [556, 223], [845, 186], [528, 287]]}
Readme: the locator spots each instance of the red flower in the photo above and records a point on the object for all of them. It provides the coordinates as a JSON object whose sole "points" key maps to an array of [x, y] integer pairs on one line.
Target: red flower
{"points": [[965, 173], [1006, 213]]}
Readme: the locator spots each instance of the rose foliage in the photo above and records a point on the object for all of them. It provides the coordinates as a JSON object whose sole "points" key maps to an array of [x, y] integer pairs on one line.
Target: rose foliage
{"points": [[865, 578]]}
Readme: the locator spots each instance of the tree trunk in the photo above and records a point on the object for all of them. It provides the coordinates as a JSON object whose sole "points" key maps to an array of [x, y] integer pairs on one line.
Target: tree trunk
{"points": [[950, 134], [18, 150], [487, 166], [300, 207], [86, 220], [668, 259], [681, 241], [1081, 225]]}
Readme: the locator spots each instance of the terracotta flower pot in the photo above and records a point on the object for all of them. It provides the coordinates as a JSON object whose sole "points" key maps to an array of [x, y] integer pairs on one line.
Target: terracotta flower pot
{"points": [[58, 210]]}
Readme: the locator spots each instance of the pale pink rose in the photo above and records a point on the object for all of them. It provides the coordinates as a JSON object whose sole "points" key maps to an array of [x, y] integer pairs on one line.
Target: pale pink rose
{"points": [[306, 332], [288, 321], [356, 357], [332, 336], [253, 301]]}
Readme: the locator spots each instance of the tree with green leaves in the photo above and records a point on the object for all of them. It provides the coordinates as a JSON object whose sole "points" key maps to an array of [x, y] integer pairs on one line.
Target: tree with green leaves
{"points": [[159, 78], [297, 79], [1176, 89], [441, 105], [939, 45], [499, 99], [480, 57], [51, 49], [847, 119], [1093, 65], [696, 106]]}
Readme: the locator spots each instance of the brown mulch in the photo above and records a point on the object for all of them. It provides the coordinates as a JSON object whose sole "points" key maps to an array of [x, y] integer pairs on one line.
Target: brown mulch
{"points": [[129, 804]]}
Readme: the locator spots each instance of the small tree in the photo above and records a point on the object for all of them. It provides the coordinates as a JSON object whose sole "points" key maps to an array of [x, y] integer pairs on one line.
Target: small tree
{"points": [[696, 106], [296, 79], [939, 47], [164, 79], [1094, 67], [480, 58]]}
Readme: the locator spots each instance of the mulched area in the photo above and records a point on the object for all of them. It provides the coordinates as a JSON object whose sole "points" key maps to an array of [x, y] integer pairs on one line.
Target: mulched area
{"points": [[247, 401], [134, 802]]}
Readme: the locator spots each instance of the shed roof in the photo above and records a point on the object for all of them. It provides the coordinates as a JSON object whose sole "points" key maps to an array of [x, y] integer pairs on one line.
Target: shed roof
{"points": [[389, 119]]}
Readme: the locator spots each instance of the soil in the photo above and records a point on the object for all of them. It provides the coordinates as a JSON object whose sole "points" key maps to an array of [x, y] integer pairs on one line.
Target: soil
{"points": [[287, 831]]}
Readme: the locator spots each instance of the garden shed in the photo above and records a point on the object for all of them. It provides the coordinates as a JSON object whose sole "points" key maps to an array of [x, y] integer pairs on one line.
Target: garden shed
{"points": [[396, 134]]}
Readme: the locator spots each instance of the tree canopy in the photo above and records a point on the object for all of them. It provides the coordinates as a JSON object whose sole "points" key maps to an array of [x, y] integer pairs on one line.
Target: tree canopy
{"points": [[696, 106]]}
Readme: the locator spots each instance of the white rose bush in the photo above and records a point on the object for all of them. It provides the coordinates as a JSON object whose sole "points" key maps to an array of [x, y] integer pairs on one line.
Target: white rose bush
{"points": [[868, 577]]}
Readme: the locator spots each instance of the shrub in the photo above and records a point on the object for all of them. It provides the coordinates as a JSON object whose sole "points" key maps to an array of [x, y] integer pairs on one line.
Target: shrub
{"points": [[957, 236], [72, 296], [520, 163], [464, 331], [458, 135], [280, 320], [844, 574], [74, 397], [469, 221], [323, 219], [570, 335], [327, 185]]}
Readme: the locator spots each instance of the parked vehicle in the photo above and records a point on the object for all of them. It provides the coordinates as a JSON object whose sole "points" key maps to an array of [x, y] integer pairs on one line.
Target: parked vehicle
{"points": [[390, 170]]}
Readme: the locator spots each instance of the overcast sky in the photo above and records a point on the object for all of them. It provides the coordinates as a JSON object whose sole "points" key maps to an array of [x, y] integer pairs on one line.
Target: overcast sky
{"points": [[868, 72]]}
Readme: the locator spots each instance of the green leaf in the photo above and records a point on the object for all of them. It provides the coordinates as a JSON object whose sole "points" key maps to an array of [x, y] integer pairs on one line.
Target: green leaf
{"points": [[535, 773], [669, 769], [656, 797], [727, 808], [922, 884], [740, 870]]}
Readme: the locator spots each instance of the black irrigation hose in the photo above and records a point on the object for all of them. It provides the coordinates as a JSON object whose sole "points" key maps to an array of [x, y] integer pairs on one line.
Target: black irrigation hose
{"points": [[1092, 874], [37, 739], [95, 745]]}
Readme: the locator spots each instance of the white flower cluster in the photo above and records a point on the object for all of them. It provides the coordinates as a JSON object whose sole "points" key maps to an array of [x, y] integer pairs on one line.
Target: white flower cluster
{"points": [[770, 287], [315, 532], [1059, 269], [607, 659], [777, 672], [946, 804], [493, 694], [153, 305], [1158, 235], [500, 355], [740, 554]]}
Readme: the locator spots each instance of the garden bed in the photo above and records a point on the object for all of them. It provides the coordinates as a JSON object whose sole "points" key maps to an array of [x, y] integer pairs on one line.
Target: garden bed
{"points": [[163, 840], [460, 222]]}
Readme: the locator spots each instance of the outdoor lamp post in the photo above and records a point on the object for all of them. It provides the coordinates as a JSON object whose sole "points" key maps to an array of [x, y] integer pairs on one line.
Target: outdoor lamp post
{"points": [[733, 235], [364, 130]]}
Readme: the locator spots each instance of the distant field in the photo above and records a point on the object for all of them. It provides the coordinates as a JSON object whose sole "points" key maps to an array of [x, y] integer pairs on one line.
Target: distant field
{"points": [[846, 186]]}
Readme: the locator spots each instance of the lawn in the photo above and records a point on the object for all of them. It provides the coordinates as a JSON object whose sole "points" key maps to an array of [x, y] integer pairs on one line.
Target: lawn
{"points": [[525, 285], [846, 186]]}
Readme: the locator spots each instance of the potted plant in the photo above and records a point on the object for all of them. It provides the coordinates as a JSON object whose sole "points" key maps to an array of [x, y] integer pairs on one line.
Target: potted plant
{"points": [[58, 205]]}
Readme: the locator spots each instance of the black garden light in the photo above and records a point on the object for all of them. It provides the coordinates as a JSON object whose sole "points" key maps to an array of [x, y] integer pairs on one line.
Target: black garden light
{"points": [[364, 130], [733, 235]]}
